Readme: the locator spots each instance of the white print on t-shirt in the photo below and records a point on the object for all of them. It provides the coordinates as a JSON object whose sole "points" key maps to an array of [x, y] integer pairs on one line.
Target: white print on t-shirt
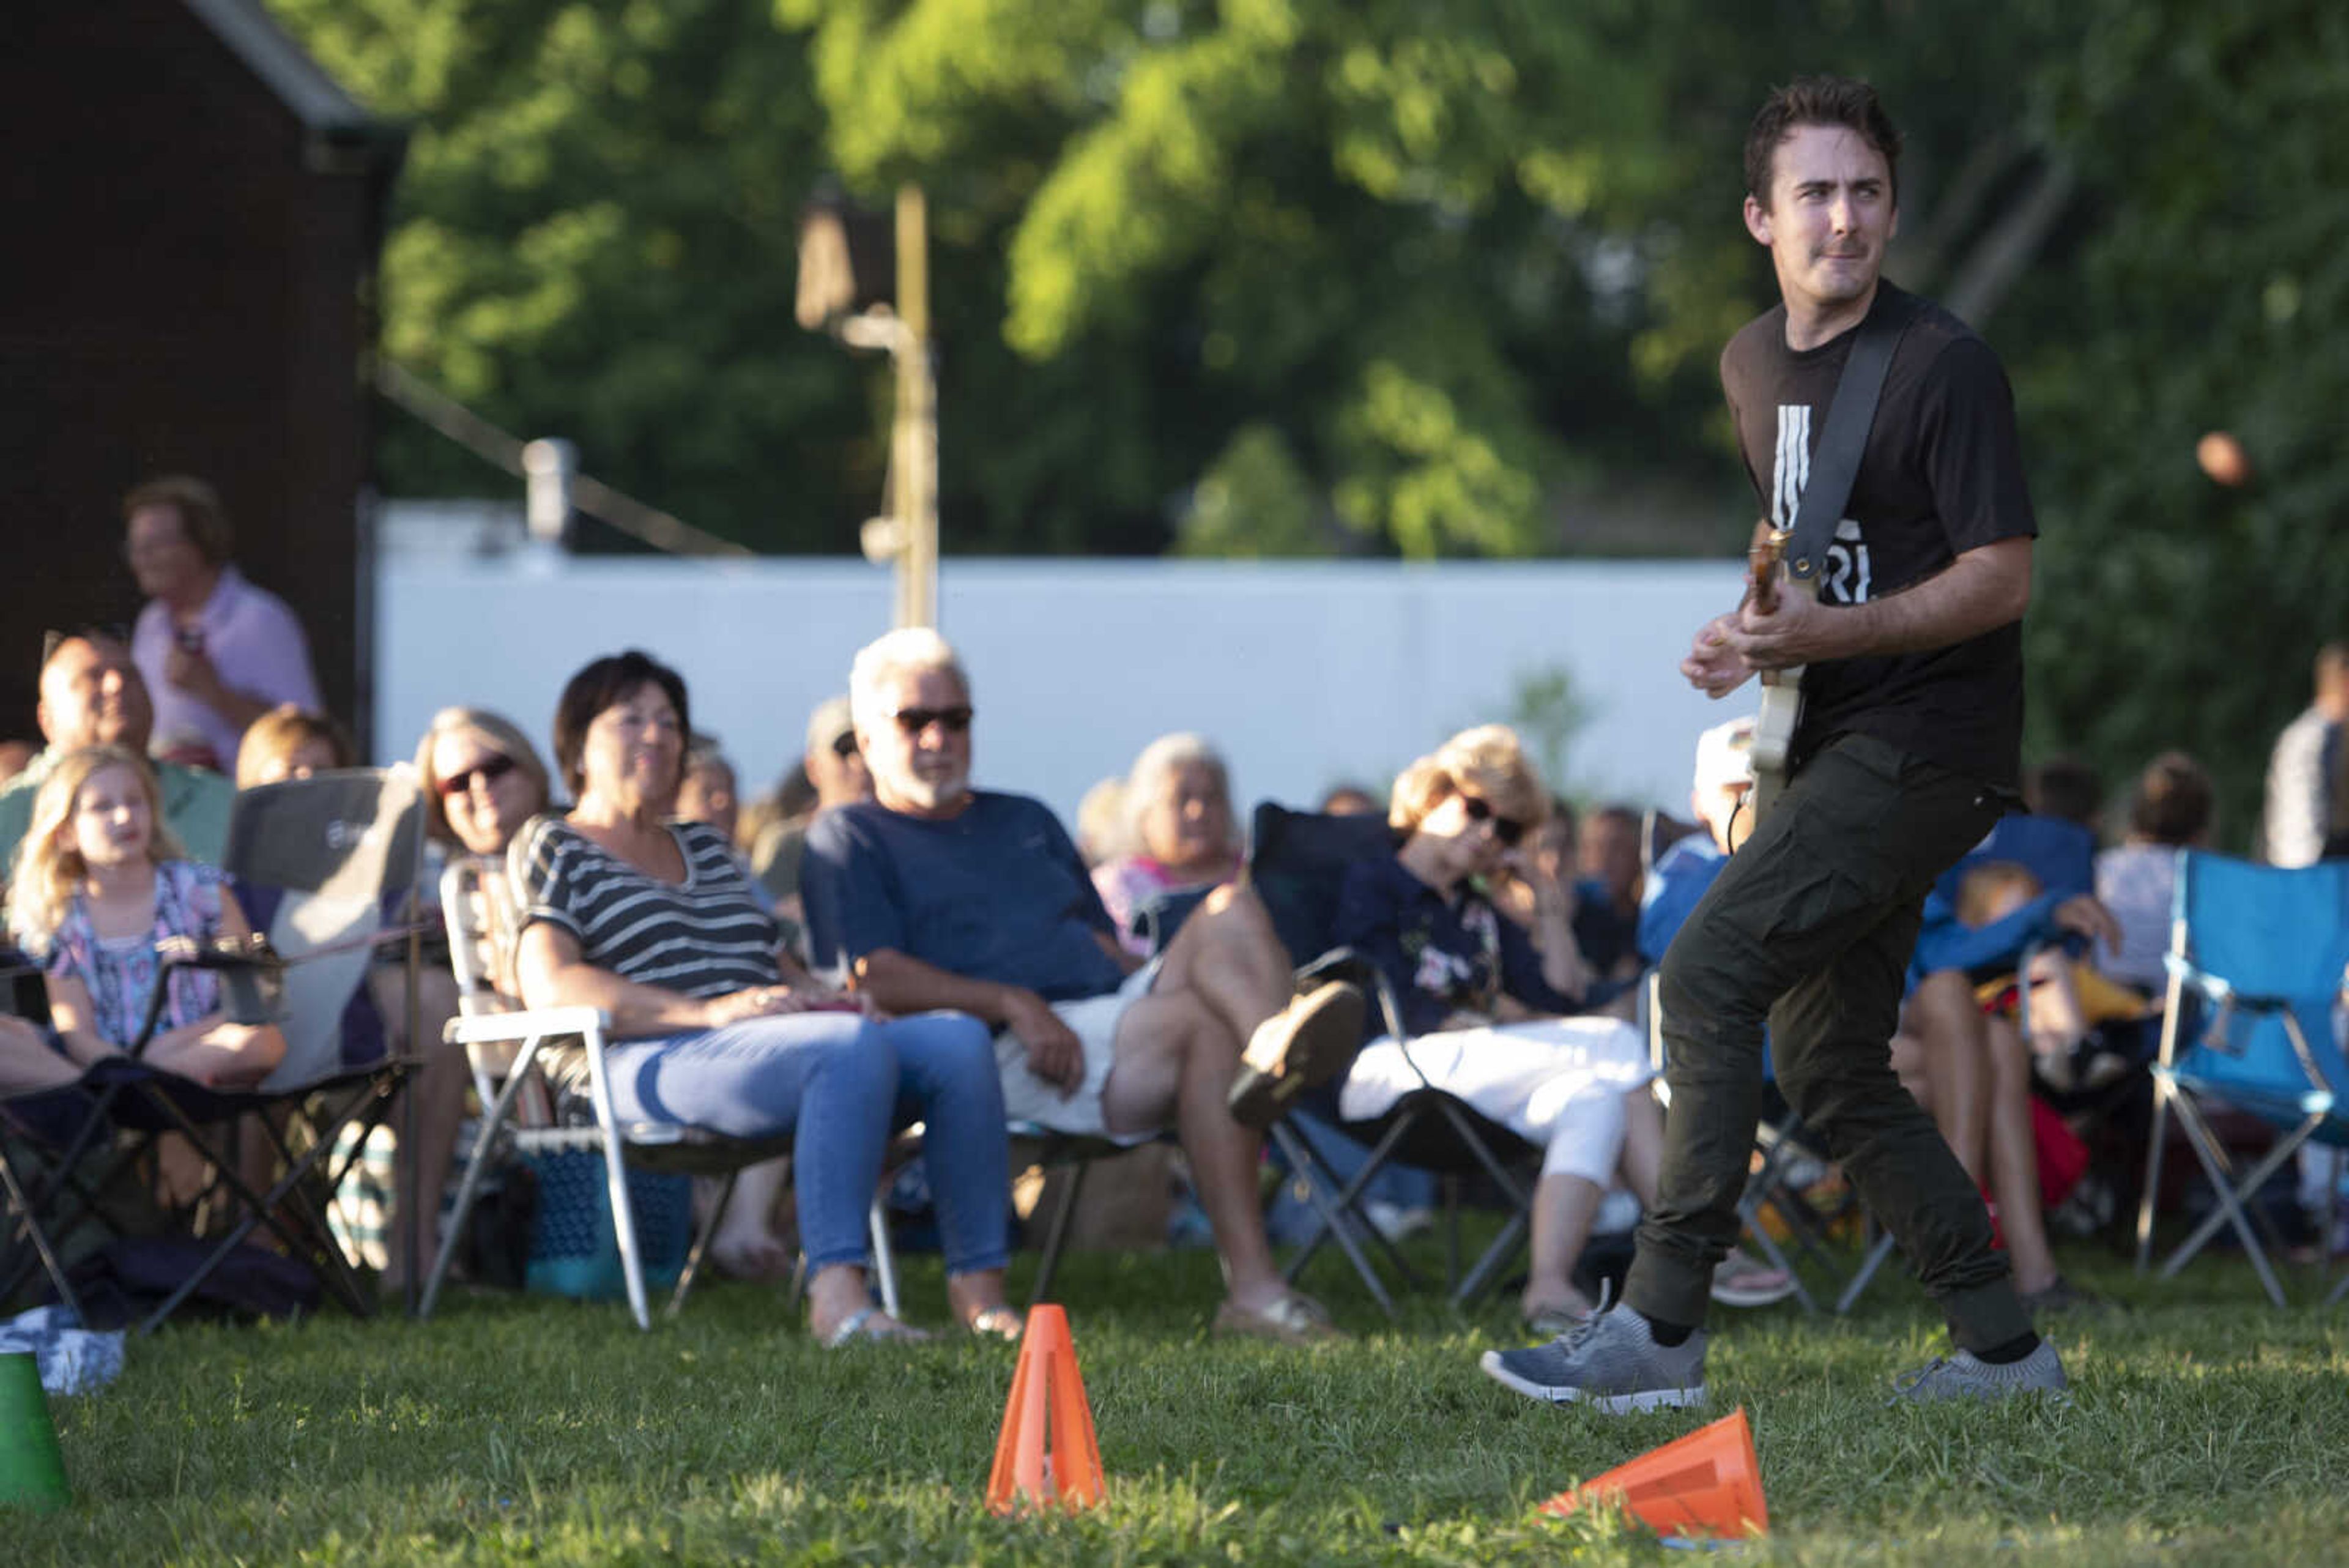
{"points": [[1846, 580]]}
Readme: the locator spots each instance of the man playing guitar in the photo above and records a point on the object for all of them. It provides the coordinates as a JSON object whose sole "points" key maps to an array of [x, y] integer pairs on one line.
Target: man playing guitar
{"points": [[1907, 750]]}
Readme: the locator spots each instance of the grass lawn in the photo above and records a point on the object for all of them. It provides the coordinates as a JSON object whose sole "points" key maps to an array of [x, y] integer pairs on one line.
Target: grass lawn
{"points": [[2207, 1429]]}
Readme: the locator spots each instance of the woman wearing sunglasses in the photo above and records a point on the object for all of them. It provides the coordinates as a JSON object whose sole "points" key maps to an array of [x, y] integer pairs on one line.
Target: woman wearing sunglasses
{"points": [[482, 780], [1484, 1005]]}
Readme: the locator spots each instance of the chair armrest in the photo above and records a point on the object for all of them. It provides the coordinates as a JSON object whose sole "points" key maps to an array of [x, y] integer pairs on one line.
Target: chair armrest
{"points": [[487, 1028], [250, 952]]}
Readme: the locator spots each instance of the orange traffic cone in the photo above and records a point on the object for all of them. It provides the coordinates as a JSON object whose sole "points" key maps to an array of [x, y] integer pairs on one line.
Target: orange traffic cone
{"points": [[1063, 1465], [1707, 1483]]}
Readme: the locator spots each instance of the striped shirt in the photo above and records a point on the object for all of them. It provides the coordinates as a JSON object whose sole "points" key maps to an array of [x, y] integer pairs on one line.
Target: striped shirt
{"points": [[706, 936]]}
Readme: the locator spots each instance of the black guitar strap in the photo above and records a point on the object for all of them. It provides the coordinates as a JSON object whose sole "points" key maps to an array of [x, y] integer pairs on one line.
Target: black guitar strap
{"points": [[1835, 462]]}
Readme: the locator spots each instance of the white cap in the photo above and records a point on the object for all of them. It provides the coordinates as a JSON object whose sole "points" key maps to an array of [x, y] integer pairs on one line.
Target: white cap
{"points": [[1724, 756]]}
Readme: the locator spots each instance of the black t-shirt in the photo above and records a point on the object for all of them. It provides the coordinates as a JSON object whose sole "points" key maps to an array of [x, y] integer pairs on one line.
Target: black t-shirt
{"points": [[1942, 474]]}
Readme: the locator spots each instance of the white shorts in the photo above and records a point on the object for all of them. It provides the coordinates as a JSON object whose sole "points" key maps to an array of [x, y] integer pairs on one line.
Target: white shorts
{"points": [[1095, 1020], [1557, 1082]]}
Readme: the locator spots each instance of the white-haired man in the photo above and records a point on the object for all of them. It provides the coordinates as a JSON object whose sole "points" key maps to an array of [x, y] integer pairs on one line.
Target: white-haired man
{"points": [[936, 894]]}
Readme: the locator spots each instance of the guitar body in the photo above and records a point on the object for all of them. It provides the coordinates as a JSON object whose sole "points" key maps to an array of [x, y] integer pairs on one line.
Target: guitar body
{"points": [[1782, 689]]}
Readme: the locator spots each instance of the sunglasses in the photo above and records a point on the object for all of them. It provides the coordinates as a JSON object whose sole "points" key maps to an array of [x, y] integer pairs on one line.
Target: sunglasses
{"points": [[846, 746], [914, 720], [1508, 830], [490, 771]]}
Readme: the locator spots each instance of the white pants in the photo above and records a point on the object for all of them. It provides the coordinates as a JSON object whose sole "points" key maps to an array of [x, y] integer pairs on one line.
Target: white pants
{"points": [[1557, 1082], [1095, 1020]]}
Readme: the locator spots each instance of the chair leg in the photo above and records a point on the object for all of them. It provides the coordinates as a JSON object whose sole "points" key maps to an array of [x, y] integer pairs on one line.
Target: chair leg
{"points": [[1307, 1162], [468, 1187], [1865, 1274], [1346, 1206], [885, 1255], [615, 1176], [2231, 1193], [2161, 1093], [702, 1233], [19, 1205], [1056, 1236]]}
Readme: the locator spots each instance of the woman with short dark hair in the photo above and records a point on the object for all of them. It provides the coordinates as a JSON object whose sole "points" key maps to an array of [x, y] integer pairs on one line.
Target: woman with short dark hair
{"points": [[654, 921]]}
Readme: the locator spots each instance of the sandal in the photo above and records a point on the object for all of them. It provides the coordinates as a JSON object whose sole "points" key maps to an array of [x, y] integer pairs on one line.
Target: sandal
{"points": [[1552, 1320], [997, 1323], [871, 1323], [1740, 1280], [1295, 1319], [1308, 1042]]}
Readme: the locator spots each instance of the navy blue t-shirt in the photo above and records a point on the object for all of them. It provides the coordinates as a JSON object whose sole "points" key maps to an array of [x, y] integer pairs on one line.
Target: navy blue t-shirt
{"points": [[1439, 954], [995, 893]]}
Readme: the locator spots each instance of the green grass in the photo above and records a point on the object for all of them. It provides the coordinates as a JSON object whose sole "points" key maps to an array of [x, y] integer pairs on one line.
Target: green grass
{"points": [[2207, 1429]]}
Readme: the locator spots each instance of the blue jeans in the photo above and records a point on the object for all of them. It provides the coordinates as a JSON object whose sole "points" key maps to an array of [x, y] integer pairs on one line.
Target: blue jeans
{"points": [[838, 1082]]}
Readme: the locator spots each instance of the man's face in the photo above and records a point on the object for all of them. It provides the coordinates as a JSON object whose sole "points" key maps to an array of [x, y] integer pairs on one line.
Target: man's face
{"points": [[838, 772], [919, 747], [162, 557], [92, 695], [1829, 217]]}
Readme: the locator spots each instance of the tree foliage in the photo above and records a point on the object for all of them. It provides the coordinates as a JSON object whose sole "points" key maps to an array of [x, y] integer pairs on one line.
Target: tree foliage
{"points": [[1433, 278]]}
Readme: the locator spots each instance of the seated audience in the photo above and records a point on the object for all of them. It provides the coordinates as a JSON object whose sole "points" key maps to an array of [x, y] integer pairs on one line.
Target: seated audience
{"points": [[707, 794], [2171, 810], [1348, 800], [1483, 1007], [92, 695], [1103, 832], [835, 776], [482, 780], [1179, 827], [217, 651], [15, 756], [1724, 778], [938, 895], [1605, 945], [99, 881], [290, 742], [653, 922], [1607, 851], [1977, 1068], [2068, 788]]}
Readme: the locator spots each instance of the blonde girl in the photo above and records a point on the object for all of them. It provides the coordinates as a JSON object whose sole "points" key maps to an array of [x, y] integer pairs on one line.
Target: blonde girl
{"points": [[98, 882]]}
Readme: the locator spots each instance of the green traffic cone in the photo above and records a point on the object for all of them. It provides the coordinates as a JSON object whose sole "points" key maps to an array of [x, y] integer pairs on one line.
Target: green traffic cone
{"points": [[32, 1472]]}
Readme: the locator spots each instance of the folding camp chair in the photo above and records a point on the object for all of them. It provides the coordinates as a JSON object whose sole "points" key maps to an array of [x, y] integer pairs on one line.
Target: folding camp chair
{"points": [[507, 1048], [318, 863], [1296, 864], [2257, 962]]}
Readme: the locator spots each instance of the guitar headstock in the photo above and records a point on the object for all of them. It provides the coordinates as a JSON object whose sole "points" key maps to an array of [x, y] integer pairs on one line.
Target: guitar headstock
{"points": [[1764, 556]]}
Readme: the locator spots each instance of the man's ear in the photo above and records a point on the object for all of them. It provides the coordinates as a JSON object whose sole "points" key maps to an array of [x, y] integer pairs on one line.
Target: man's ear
{"points": [[1757, 221]]}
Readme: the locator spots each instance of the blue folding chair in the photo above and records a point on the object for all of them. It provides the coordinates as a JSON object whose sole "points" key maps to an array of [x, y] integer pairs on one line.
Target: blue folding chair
{"points": [[2257, 960]]}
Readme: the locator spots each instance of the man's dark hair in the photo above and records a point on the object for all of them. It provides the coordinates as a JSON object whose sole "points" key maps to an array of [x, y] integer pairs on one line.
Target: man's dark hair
{"points": [[201, 516], [2068, 787], [1818, 100], [611, 680], [2174, 800]]}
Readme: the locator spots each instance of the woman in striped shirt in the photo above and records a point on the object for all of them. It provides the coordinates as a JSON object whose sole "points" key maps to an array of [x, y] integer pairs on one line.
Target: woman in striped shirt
{"points": [[653, 922]]}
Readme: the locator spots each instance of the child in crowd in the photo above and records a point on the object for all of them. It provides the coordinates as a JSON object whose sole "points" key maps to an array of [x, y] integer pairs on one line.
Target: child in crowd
{"points": [[98, 883]]}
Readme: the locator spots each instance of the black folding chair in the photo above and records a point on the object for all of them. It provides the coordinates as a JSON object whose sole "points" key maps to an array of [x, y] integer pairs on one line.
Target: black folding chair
{"points": [[328, 869], [1296, 864]]}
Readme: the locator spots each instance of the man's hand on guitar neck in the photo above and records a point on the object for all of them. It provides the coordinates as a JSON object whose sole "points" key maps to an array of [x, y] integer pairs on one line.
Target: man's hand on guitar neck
{"points": [[1713, 666]]}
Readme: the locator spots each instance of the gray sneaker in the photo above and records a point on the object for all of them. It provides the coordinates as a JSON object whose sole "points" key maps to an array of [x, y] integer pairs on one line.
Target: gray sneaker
{"points": [[1609, 1361], [1966, 1376]]}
